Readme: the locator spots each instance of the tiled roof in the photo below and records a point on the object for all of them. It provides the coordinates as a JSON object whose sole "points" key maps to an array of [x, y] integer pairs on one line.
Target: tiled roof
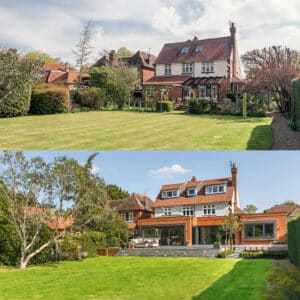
{"points": [[133, 202], [204, 80], [55, 75], [54, 67], [113, 204], [164, 80], [239, 211], [60, 223], [212, 49], [288, 209]]}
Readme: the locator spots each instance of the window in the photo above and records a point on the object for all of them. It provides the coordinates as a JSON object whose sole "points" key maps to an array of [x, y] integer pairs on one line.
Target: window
{"points": [[188, 211], [167, 211], [208, 67], [199, 48], [209, 210], [170, 194], [150, 91], [168, 69], [215, 189], [127, 216], [184, 50], [187, 68], [214, 91], [259, 231], [202, 91], [192, 192]]}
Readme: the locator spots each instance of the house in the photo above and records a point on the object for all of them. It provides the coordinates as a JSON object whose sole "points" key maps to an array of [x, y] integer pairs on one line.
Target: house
{"points": [[291, 211], [192, 212], [142, 61], [61, 75], [207, 68], [132, 209]]}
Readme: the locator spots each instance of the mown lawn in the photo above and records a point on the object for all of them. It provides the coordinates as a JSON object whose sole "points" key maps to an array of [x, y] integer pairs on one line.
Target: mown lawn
{"points": [[117, 130], [138, 278]]}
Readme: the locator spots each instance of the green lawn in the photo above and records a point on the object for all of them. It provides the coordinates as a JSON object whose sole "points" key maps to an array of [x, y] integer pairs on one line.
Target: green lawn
{"points": [[138, 278], [117, 130]]}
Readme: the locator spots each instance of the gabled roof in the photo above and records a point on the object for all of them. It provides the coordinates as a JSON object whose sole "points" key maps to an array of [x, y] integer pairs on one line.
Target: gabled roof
{"points": [[200, 198], [212, 49], [53, 67], [290, 210], [133, 202]]}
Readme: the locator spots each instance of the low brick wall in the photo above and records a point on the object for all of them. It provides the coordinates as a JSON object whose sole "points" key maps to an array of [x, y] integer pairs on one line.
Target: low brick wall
{"points": [[107, 251]]}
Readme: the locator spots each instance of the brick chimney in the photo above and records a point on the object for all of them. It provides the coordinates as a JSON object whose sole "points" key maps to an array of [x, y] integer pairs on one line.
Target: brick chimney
{"points": [[194, 179], [113, 60], [235, 199], [234, 49]]}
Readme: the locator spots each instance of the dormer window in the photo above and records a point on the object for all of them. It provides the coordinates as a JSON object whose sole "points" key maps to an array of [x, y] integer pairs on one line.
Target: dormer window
{"points": [[184, 50], [192, 192], [215, 189], [199, 48], [170, 194]]}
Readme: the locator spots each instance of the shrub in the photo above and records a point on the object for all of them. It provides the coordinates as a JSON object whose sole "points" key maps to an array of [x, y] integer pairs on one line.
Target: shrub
{"points": [[294, 241], [89, 97], [54, 101], [165, 106], [199, 106], [282, 254], [225, 253], [295, 109]]}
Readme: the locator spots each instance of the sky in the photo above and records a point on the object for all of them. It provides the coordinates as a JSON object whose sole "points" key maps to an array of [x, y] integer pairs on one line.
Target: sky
{"points": [[264, 178], [54, 26]]}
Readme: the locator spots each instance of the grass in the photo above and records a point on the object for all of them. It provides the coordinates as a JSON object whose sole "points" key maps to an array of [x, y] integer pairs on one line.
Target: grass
{"points": [[117, 130], [139, 278]]}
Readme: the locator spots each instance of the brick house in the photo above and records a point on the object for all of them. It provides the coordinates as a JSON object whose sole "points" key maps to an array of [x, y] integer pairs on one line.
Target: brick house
{"points": [[191, 213], [132, 209], [143, 62], [206, 68]]}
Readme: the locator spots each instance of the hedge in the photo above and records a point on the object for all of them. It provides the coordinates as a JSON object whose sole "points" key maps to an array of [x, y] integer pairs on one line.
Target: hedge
{"points": [[89, 97], [165, 106], [54, 101], [264, 254], [295, 109], [294, 241]]}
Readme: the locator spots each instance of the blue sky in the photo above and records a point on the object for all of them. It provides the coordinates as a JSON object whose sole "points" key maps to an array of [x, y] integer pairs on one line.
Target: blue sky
{"points": [[54, 26], [265, 178]]}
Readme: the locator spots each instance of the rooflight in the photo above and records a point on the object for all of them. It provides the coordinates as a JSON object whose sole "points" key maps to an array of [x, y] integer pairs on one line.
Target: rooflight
{"points": [[199, 48], [184, 50]]}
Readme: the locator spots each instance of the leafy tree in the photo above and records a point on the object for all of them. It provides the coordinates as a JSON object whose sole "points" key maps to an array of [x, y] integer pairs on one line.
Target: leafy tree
{"points": [[115, 192], [17, 77], [250, 209], [124, 52], [289, 202], [40, 56], [272, 70], [230, 225]]}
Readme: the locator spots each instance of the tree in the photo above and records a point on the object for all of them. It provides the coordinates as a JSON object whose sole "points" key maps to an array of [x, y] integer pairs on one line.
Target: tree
{"points": [[288, 202], [250, 209], [271, 70], [230, 225], [75, 192], [17, 76], [84, 48], [114, 192], [124, 53], [40, 56]]}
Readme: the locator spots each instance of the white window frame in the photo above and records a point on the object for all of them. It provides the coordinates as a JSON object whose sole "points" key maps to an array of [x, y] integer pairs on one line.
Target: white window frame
{"points": [[208, 67], [192, 194], [127, 216], [187, 68], [168, 69], [170, 194], [167, 211], [188, 210], [202, 91], [209, 210], [199, 48], [215, 189], [184, 50]]}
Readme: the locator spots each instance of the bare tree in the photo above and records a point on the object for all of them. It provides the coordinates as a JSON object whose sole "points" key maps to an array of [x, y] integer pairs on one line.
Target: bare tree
{"points": [[271, 70], [84, 48], [230, 225]]}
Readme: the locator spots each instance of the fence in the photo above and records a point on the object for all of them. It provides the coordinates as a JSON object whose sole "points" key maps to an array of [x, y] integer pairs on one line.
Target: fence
{"points": [[107, 251]]}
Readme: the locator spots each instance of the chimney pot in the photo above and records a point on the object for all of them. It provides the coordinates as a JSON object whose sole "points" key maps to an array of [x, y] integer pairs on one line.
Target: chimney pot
{"points": [[194, 179]]}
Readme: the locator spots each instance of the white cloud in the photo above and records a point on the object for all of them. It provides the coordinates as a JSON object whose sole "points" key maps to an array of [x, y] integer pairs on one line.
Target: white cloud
{"points": [[168, 172], [95, 170]]}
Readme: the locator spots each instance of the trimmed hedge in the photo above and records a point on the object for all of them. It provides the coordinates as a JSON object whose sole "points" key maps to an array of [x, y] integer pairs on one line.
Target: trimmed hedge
{"points": [[46, 102], [265, 254], [166, 106], [294, 241], [295, 109], [89, 97]]}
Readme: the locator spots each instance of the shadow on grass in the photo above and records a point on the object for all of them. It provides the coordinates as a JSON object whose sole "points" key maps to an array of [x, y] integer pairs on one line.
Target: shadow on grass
{"points": [[245, 281], [261, 138]]}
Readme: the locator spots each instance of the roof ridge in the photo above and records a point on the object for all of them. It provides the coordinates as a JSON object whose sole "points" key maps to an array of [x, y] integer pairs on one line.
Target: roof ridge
{"points": [[197, 41]]}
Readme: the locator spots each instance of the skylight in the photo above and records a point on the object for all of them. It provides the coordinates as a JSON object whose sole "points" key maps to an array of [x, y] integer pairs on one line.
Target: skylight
{"points": [[184, 50], [199, 48]]}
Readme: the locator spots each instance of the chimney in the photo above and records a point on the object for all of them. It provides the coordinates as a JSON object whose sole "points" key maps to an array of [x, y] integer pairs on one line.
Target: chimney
{"points": [[67, 67], [235, 200], [234, 49], [113, 58], [194, 179]]}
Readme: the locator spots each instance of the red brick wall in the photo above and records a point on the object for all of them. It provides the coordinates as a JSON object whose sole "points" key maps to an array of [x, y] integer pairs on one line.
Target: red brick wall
{"points": [[147, 74]]}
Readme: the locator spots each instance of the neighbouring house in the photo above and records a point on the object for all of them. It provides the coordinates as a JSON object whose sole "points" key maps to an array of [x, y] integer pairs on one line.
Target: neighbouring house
{"points": [[61, 75], [206, 69], [132, 209], [291, 211], [192, 213], [143, 62]]}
